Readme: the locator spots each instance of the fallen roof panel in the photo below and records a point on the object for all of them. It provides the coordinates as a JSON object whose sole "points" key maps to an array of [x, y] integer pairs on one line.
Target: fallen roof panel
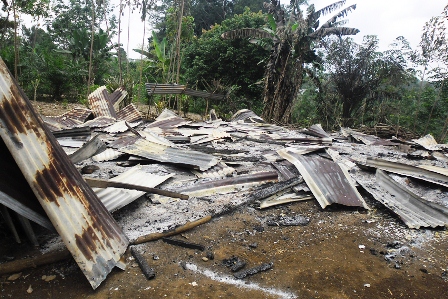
{"points": [[116, 198], [409, 170], [100, 103], [326, 179], [130, 113], [86, 227], [157, 152], [413, 210]]}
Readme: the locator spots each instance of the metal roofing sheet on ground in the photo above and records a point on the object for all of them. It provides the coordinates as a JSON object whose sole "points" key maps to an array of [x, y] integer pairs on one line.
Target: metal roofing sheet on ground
{"points": [[86, 227], [129, 113], [413, 210], [409, 170], [326, 179], [153, 151], [116, 198]]}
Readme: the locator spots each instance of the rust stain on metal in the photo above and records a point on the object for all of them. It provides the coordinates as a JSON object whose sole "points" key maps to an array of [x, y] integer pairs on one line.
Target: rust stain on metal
{"points": [[87, 229]]}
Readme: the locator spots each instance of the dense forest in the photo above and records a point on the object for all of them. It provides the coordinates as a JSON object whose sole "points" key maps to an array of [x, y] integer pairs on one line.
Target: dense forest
{"points": [[292, 64]]}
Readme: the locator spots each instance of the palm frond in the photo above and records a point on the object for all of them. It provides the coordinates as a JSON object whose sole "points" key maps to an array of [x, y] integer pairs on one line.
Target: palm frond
{"points": [[331, 22], [328, 9], [246, 33], [322, 32]]}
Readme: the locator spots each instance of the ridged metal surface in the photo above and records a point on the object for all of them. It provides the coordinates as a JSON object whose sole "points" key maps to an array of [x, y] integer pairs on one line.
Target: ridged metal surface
{"points": [[316, 130], [117, 97], [153, 151], [119, 127], [116, 198], [220, 170], [326, 179], [129, 113], [409, 170], [99, 122], [86, 227], [100, 103], [168, 119], [246, 115], [413, 210], [69, 119], [107, 155], [154, 88]]}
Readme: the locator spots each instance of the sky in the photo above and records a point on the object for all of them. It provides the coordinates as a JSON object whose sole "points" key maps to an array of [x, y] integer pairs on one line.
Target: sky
{"points": [[387, 19]]}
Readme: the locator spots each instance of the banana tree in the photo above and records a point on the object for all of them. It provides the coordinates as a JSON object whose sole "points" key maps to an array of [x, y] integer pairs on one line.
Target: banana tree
{"points": [[293, 40]]}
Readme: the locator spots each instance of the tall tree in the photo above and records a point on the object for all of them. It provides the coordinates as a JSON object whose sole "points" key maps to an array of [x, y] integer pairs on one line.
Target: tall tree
{"points": [[360, 76], [294, 39]]}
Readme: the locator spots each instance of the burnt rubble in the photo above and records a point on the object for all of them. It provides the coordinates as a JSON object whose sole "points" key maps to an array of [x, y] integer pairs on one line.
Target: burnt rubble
{"points": [[224, 165]]}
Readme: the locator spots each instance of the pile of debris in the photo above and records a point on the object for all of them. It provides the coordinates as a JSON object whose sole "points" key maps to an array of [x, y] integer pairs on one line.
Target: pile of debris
{"points": [[205, 168]]}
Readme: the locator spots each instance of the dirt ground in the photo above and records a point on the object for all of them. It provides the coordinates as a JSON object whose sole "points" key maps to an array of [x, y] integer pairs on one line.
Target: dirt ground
{"points": [[341, 253]]}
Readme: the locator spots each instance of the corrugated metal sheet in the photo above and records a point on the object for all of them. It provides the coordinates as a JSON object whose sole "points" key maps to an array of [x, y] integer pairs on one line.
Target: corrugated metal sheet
{"points": [[99, 122], [247, 116], [100, 103], [220, 170], [129, 113], [117, 97], [86, 227], [93, 146], [116, 198], [326, 179], [120, 127], [429, 143], [168, 119], [153, 151], [316, 130], [155, 88], [409, 170], [68, 120], [107, 155], [224, 186], [413, 210]]}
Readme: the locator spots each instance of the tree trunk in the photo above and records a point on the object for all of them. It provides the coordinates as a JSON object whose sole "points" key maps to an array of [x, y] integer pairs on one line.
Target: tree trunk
{"points": [[283, 80]]}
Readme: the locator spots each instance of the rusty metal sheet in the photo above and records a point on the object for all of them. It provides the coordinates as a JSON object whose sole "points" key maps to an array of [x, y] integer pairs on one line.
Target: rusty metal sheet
{"points": [[88, 230], [328, 182], [117, 97], [412, 209], [67, 120], [129, 113], [161, 153], [100, 103], [409, 170]]}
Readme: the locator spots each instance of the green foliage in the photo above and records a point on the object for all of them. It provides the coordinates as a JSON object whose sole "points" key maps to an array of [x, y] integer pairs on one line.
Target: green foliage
{"points": [[214, 64]]}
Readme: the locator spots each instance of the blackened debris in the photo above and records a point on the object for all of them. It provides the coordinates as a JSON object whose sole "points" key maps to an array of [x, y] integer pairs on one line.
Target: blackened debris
{"points": [[244, 273], [183, 244], [234, 263], [146, 269]]}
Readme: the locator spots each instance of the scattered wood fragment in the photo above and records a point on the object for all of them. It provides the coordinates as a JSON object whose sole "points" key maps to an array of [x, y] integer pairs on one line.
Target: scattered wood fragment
{"points": [[48, 258], [178, 230], [143, 264], [92, 182], [184, 244]]}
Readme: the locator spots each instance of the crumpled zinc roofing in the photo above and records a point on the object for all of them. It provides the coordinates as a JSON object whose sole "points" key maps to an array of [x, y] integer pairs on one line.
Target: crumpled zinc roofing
{"points": [[86, 227], [326, 179]]}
